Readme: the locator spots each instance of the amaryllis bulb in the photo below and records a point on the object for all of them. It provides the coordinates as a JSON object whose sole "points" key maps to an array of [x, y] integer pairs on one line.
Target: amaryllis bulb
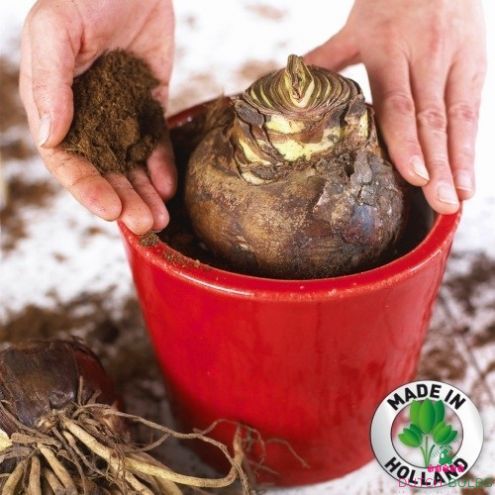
{"points": [[290, 180]]}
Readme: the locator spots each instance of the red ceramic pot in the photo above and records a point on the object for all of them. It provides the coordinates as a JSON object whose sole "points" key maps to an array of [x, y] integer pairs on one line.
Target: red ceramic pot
{"points": [[304, 361]]}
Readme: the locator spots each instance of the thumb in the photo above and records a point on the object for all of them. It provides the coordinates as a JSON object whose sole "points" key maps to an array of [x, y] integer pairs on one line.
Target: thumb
{"points": [[52, 72], [336, 53]]}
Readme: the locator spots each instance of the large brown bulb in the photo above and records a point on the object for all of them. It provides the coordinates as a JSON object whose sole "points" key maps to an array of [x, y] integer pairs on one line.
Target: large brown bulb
{"points": [[289, 180], [37, 377]]}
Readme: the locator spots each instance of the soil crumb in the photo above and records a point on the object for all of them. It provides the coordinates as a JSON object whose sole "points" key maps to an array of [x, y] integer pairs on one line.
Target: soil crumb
{"points": [[22, 194], [464, 319], [466, 288], [148, 240], [16, 149], [267, 11], [441, 360], [11, 111], [254, 69], [117, 123], [12, 115]]}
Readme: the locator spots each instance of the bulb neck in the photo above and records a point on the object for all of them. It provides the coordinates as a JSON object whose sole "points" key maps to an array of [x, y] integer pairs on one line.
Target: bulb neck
{"points": [[295, 114]]}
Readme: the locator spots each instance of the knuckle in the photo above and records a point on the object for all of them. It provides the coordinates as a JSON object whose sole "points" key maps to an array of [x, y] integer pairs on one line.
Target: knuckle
{"points": [[436, 38], [39, 87], [400, 103], [405, 146], [439, 163], [463, 112], [42, 17], [464, 154], [433, 118]]}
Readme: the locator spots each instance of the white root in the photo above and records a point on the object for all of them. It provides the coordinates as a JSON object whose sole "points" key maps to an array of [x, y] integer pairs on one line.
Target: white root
{"points": [[137, 486], [34, 485], [144, 467], [114, 465], [73, 458], [59, 470], [167, 487], [5, 442], [46, 488], [53, 481], [14, 478]]}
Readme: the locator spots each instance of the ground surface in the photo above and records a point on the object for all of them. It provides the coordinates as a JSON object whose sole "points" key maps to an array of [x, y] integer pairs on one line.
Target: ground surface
{"points": [[64, 271]]}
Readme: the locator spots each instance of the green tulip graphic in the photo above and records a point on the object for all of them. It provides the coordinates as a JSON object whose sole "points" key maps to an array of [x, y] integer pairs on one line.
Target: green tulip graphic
{"points": [[427, 423], [444, 434], [410, 438]]}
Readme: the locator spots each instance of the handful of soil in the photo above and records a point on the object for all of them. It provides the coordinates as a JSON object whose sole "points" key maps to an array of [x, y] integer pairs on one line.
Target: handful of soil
{"points": [[117, 123]]}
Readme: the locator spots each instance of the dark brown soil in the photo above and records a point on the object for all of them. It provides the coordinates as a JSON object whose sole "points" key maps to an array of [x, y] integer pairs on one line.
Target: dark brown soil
{"points": [[117, 123], [149, 239], [17, 149], [441, 361], [21, 194], [465, 288], [12, 115], [445, 356], [11, 111], [254, 69]]}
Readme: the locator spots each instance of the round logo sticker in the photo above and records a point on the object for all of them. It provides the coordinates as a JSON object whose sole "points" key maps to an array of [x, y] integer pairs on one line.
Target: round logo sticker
{"points": [[426, 434]]}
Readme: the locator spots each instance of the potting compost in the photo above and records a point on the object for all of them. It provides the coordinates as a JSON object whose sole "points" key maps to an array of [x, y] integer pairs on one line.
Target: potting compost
{"points": [[117, 122]]}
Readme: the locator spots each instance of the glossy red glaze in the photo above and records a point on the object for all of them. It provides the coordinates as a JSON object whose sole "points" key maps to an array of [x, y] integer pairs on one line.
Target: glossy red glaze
{"points": [[305, 361]]}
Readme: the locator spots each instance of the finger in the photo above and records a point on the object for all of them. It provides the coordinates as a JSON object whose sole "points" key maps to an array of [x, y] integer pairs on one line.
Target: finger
{"points": [[428, 84], [335, 54], [142, 185], [84, 182], [54, 41], [163, 174], [463, 100], [135, 214], [77, 175], [393, 102]]}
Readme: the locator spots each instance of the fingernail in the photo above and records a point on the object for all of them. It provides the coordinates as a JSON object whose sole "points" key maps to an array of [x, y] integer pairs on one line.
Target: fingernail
{"points": [[419, 168], [447, 194], [464, 181], [44, 130]]}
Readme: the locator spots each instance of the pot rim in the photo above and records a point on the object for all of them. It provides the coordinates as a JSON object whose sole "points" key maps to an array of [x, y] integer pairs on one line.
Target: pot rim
{"points": [[194, 272]]}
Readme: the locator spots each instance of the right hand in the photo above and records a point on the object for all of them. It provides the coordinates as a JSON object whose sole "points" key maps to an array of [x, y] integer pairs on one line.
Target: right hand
{"points": [[61, 40]]}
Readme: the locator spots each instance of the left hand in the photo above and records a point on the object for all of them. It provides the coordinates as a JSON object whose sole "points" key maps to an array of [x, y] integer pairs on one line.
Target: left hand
{"points": [[426, 65]]}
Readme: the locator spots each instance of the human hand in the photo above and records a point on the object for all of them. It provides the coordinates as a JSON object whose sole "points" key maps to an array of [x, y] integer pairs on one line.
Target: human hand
{"points": [[60, 40], [426, 65]]}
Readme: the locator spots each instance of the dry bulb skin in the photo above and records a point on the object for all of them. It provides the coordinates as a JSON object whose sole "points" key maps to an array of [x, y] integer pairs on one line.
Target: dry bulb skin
{"points": [[290, 181], [61, 433]]}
